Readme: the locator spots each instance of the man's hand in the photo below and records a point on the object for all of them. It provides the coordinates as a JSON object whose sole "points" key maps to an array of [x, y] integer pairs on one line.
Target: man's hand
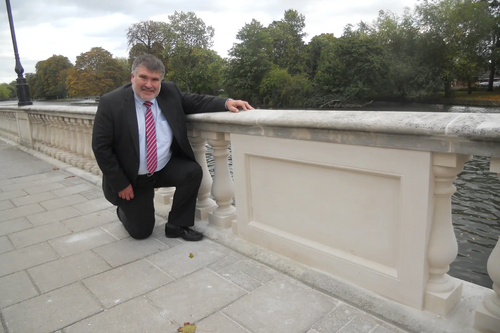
{"points": [[235, 105], [127, 193]]}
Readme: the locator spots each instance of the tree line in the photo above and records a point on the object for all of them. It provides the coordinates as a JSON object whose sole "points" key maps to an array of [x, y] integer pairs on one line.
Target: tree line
{"points": [[416, 55]]}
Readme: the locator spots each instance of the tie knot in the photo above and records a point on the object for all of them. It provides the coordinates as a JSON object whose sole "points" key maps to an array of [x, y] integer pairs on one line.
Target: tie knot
{"points": [[148, 104]]}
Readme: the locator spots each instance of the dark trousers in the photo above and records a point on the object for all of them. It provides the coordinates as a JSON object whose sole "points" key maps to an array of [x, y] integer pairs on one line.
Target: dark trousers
{"points": [[138, 214]]}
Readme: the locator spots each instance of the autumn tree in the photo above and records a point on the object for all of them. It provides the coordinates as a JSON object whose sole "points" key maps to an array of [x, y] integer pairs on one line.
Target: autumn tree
{"points": [[95, 73]]}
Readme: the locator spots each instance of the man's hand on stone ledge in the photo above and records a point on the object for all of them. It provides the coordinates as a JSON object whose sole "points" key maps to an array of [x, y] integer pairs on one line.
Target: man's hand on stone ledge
{"points": [[236, 105]]}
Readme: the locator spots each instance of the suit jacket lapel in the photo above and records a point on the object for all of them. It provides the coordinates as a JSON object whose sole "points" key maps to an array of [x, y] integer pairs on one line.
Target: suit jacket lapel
{"points": [[165, 100], [131, 115]]}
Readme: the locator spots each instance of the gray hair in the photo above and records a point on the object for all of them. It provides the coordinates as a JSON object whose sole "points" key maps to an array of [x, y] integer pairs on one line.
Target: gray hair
{"points": [[149, 61]]}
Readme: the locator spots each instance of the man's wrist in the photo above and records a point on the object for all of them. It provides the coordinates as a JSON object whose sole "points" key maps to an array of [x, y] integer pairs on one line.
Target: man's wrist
{"points": [[225, 104]]}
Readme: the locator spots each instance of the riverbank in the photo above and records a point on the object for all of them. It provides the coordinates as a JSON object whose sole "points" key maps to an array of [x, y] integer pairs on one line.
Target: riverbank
{"points": [[479, 97]]}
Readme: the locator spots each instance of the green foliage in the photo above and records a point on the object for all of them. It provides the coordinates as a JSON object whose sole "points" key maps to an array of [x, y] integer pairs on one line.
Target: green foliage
{"points": [[95, 73], [249, 62], [4, 91], [49, 81], [280, 89], [288, 46], [352, 69], [187, 50], [454, 33]]}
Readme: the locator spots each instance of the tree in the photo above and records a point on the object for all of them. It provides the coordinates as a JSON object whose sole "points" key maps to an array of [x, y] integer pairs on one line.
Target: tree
{"points": [[353, 68], [35, 85], [315, 48], [147, 37], [52, 74], [13, 89], [453, 30], [4, 91], [250, 60], [125, 70], [95, 73], [494, 42], [280, 89], [187, 44], [288, 46]]}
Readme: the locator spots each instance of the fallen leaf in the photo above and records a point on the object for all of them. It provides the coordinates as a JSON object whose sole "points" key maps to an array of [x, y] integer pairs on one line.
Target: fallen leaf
{"points": [[69, 177], [187, 328], [55, 169], [191, 255]]}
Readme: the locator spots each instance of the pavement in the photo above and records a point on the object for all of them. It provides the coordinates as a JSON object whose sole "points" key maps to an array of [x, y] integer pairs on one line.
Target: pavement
{"points": [[67, 265]]}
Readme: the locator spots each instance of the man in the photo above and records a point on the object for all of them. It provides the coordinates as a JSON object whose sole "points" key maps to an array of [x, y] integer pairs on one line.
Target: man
{"points": [[140, 143]]}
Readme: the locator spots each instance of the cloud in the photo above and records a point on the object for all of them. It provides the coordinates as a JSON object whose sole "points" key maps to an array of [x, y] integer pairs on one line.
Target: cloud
{"points": [[71, 27]]}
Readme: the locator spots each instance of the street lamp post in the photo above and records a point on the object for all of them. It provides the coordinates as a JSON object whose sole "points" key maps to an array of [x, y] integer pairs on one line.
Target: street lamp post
{"points": [[23, 91]]}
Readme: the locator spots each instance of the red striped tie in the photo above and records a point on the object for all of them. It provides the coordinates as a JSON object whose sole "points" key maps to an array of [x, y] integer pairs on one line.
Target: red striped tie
{"points": [[151, 156]]}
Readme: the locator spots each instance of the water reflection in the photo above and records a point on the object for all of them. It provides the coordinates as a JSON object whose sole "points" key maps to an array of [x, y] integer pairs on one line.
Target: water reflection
{"points": [[476, 218]]}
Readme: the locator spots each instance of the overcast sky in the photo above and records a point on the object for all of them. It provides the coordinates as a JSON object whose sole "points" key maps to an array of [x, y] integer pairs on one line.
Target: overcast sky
{"points": [[71, 27]]}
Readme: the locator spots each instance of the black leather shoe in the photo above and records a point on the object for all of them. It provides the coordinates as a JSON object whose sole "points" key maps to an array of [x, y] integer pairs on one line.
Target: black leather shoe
{"points": [[186, 233]]}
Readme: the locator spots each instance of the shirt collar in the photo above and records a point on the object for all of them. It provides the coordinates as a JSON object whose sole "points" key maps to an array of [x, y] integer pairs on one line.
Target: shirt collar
{"points": [[141, 101]]}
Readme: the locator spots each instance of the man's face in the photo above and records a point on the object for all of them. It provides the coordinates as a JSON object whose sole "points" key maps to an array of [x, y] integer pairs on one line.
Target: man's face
{"points": [[146, 84]]}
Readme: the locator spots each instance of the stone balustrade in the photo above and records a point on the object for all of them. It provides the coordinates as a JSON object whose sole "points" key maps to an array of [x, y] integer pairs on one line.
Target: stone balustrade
{"points": [[362, 196]]}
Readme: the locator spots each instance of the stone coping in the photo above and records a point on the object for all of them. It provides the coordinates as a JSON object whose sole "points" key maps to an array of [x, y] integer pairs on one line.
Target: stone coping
{"points": [[480, 126], [463, 133]]}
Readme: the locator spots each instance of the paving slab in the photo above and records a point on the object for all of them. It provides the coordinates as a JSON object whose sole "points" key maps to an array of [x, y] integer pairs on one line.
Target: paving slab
{"points": [[52, 311], [10, 194], [177, 261], [15, 288], [51, 186], [38, 234], [32, 198], [88, 221], [68, 270], [128, 249], [126, 282], [54, 215], [220, 323], [18, 260], [116, 230], [14, 225], [14, 213], [66, 191], [195, 296], [282, 305], [6, 204], [135, 316], [81, 241], [63, 202], [5, 245], [91, 206]]}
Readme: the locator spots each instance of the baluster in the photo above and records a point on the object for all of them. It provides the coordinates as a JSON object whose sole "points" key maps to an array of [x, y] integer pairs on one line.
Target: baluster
{"points": [[222, 187], [163, 200], [442, 291], [35, 127], [204, 204], [487, 318]]}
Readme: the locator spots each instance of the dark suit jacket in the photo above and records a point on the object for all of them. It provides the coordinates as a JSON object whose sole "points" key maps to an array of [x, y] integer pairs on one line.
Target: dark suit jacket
{"points": [[115, 138]]}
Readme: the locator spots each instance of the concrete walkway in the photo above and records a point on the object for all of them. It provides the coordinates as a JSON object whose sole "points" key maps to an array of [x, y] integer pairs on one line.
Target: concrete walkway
{"points": [[67, 265]]}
